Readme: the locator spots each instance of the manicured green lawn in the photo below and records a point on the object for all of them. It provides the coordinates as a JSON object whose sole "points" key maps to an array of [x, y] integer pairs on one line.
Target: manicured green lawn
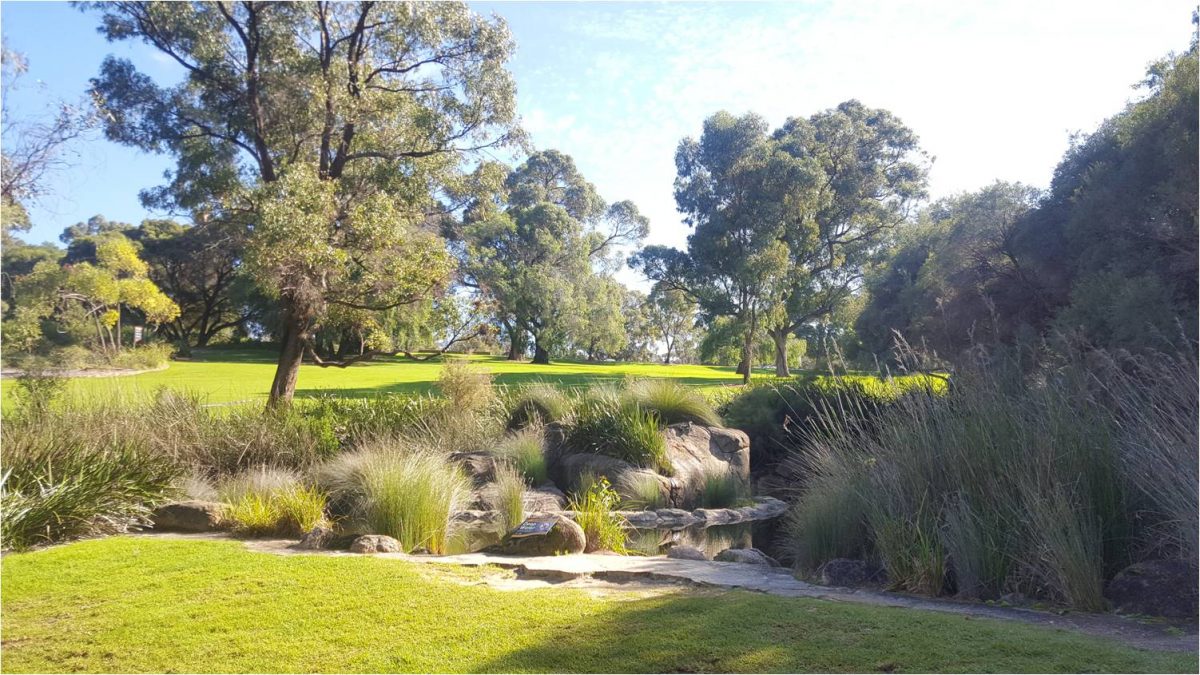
{"points": [[129, 604], [222, 375]]}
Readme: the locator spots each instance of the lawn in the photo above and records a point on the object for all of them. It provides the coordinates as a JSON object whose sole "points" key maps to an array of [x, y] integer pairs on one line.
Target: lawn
{"points": [[130, 604], [221, 375]]}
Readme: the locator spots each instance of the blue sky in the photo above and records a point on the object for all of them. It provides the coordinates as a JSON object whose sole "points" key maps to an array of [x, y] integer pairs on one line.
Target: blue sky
{"points": [[993, 89]]}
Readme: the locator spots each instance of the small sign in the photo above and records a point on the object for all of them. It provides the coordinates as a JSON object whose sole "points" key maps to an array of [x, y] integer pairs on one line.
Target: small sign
{"points": [[534, 527], [137, 334]]}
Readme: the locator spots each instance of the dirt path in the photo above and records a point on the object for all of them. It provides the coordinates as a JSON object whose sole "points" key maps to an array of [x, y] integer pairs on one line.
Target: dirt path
{"points": [[643, 573]]}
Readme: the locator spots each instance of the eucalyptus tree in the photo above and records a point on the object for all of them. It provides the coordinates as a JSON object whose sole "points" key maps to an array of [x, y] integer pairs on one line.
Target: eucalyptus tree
{"points": [[542, 255], [328, 131], [728, 188], [673, 316], [870, 173]]}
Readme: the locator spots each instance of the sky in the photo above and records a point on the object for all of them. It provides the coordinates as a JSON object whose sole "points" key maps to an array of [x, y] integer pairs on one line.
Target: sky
{"points": [[994, 89]]}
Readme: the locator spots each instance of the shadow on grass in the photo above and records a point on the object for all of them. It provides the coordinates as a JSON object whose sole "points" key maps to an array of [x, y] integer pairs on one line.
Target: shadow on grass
{"points": [[745, 632]]}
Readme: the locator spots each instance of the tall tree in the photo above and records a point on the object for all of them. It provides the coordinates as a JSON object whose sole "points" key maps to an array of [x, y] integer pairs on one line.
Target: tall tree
{"points": [[542, 255], [327, 129], [869, 174], [728, 188], [673, 315]]}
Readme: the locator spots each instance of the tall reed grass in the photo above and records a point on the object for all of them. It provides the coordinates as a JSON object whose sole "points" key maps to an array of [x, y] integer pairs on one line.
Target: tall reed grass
{"points": [[1007, 482]]}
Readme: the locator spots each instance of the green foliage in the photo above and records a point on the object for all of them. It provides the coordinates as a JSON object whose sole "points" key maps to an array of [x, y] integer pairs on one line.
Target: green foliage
{"points": [[57, 488], [593, 505], [264, 503], [722, 490], [526, 450], [510, 487], [606, 425], [468, 388], [539, 403], [392, 488], [36, 390], [673, 402]]}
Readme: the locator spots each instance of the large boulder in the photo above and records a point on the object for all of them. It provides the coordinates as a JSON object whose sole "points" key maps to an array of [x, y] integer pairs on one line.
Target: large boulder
{"points": [[748, 556], [375, 543], [621, 474], [322, 538], [565, 536], [1164, 588], [546, 498], [696, 451], [190, 516]]}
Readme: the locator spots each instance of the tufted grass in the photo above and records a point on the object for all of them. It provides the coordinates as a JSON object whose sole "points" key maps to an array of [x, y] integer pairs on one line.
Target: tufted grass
{"points": [[139, 604]]}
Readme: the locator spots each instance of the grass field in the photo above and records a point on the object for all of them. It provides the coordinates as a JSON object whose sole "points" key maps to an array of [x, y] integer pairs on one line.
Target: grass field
{"points": [[130, 604], [222, 375]]}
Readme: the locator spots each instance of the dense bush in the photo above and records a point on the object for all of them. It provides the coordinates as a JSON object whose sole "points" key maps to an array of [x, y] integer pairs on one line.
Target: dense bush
{"points": [[1045, 485], [392, 487], [56, 488]]}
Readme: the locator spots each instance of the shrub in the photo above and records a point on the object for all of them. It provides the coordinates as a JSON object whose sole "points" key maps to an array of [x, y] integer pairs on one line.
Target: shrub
{"points": [[593, 506], [54, 488], [144, 357], [673, 402], [510, 487], [642, 492], [396, 489], [37, 389], [538, 404], [526, 450], [722, 489], [603, 424], [353, 420], [467, 387]]}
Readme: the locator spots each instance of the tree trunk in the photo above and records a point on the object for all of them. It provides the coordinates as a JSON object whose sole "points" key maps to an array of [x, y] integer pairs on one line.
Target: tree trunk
{"points": [[291, 354], [741, 368], [540, 355], [748, 347], [516, 343], [780, 336]]}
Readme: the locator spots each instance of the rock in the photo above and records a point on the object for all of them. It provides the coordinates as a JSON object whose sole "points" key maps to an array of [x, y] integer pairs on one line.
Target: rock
{"points": [[190, 516], [675, 518], [566, 536], [849, 573], [1164, 588], [324, 538], [696, 452], [686, 553], [640, 519], [749, 556], [480, 466], [545, 498], [719, 516], [375, 543], [621, 474], [476, 516]]}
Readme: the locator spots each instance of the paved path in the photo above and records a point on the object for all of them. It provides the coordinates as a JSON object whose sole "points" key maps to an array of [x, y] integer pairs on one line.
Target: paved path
{"points": [[775, 581]]}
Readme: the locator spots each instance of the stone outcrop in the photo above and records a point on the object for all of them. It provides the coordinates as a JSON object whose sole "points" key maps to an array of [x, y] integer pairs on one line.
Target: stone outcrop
{"points": [[189, 516], [375, 543], [1164, 588], [324, 538], [565, 536], [480, 466]]}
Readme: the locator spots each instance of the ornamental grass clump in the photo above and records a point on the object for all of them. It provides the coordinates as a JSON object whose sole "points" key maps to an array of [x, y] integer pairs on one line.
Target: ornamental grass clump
{"points": [[594, 505], [271, 502], [642, 492], [510, 490], [607, 425], [525, 448], [538, 404], [722, 489], [392, 487], [673, 402]]}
